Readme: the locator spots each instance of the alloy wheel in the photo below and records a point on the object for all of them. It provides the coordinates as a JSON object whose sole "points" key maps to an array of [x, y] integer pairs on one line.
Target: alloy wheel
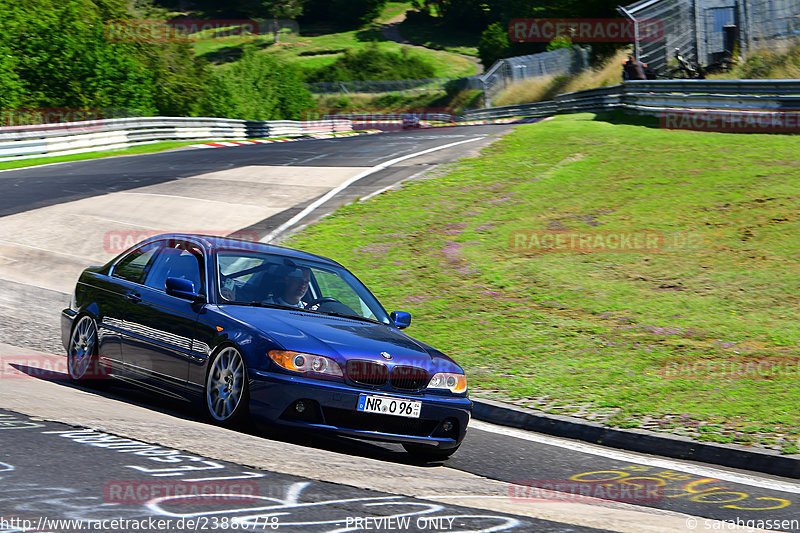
{"points": [[82, 346], [226, 384]]}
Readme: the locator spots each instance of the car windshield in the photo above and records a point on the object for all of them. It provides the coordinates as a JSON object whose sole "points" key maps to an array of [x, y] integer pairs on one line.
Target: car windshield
{"points": [[271, 280]]}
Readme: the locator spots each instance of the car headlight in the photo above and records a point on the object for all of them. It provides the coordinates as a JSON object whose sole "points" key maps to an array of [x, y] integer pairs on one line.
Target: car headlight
{"points": [[306, 363], [448, 381]]}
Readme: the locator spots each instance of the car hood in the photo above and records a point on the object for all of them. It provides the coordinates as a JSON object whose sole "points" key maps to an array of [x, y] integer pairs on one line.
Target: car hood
{"points": [[340, 338]]}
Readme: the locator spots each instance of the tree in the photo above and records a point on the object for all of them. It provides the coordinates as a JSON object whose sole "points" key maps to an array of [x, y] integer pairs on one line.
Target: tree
{"points": [[10, 83], [493, 44], [282, 9], [60, 54]]}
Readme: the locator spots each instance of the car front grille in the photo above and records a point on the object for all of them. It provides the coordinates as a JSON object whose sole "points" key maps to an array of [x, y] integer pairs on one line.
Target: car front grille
{"points": [[367, 373], [409, 378], [346, 419]]}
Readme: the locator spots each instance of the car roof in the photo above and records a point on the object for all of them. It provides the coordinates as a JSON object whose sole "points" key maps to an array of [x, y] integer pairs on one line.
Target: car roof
{"points": [[216, 242]]}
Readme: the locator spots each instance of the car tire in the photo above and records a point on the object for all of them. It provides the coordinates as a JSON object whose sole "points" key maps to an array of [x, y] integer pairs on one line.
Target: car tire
{"points": [[82, 350], [227, 394], [429, 453]]}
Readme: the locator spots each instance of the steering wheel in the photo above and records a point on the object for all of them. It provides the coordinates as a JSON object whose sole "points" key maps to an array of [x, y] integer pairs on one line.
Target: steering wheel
{"points": [[313, 305]]}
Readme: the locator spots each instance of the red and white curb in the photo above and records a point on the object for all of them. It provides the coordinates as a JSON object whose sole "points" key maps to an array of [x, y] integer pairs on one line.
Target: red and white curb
{"points": [[224, 144]]}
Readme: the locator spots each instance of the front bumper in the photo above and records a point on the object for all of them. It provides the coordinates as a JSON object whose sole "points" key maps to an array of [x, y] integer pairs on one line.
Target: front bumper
{"points": [[331, 406]]}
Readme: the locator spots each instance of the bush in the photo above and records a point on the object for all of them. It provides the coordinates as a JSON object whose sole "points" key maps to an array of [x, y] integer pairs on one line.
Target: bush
{"points": [[562, 41], [374, 63], [257, 87]]}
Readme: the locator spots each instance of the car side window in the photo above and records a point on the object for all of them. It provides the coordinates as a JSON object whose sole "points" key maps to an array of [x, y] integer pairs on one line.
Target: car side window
{"points": [[177, 260], [135, 266]]}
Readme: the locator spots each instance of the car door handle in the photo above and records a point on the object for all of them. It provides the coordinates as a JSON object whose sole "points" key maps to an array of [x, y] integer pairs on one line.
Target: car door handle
{"points": [[134, 297]]}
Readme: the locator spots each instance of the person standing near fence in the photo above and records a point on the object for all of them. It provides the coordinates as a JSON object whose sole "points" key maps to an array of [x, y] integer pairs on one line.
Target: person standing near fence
{"points": [[633, 69]]}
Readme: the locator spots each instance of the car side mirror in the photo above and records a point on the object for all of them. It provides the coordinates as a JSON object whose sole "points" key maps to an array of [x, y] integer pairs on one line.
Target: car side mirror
{"points": [[182, 288], [401, 319]]}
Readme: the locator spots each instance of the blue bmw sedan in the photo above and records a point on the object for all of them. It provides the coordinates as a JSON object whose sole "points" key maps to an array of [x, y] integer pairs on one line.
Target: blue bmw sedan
{"points": [[288, 337]]}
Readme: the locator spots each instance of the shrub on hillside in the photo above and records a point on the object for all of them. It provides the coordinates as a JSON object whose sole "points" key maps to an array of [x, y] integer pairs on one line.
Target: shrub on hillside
{"points": [[375, 63], [257, 87]]}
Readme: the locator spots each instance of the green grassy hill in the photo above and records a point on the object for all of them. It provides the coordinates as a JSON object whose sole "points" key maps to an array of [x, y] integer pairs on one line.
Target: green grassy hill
{"points": [[696, 334], [320, 46]]}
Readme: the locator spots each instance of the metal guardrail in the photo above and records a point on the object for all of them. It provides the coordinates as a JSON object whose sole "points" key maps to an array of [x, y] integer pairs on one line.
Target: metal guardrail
{"points": [[44, 140], [537, 109], [655, 97], [640, 97]]}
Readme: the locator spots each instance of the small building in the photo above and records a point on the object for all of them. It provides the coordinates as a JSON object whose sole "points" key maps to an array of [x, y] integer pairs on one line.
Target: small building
{"points": [[706, 31]]}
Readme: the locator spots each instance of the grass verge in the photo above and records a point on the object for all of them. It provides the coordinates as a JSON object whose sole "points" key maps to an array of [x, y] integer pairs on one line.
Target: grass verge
{"points": [[697, 336]]}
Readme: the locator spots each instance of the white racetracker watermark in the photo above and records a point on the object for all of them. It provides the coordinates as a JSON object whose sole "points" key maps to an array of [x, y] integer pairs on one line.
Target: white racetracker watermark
{"points": [[183, 30], [585, 30], [753, 121], [49, 367], [117, 241], [725, 368], [583, 241]]}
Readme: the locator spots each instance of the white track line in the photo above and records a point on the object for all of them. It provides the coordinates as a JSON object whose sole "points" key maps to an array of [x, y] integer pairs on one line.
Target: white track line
{"points": [[390, 187], [632, 457], [333, 192]]}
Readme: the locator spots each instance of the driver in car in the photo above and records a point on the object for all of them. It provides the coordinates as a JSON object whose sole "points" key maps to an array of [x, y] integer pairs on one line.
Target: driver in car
{"points": [[294, 286]]}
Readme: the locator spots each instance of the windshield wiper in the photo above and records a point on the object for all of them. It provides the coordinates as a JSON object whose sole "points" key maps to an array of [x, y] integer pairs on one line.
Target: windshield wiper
{"points": [[292, 308], [268, 305]]}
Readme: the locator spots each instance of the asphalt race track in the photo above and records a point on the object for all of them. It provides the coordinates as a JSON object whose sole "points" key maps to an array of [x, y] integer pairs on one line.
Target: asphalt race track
{"points": [[116, 453]]}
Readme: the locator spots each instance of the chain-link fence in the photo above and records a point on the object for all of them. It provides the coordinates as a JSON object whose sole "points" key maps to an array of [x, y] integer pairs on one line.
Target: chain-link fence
{"points": [[708, 31], [513, 69], [503, 73], [771, 20], [677, 19]]}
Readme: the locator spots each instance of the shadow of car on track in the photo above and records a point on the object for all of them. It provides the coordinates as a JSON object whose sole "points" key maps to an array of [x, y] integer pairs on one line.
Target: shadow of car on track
{"points": [[114, 389]]}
